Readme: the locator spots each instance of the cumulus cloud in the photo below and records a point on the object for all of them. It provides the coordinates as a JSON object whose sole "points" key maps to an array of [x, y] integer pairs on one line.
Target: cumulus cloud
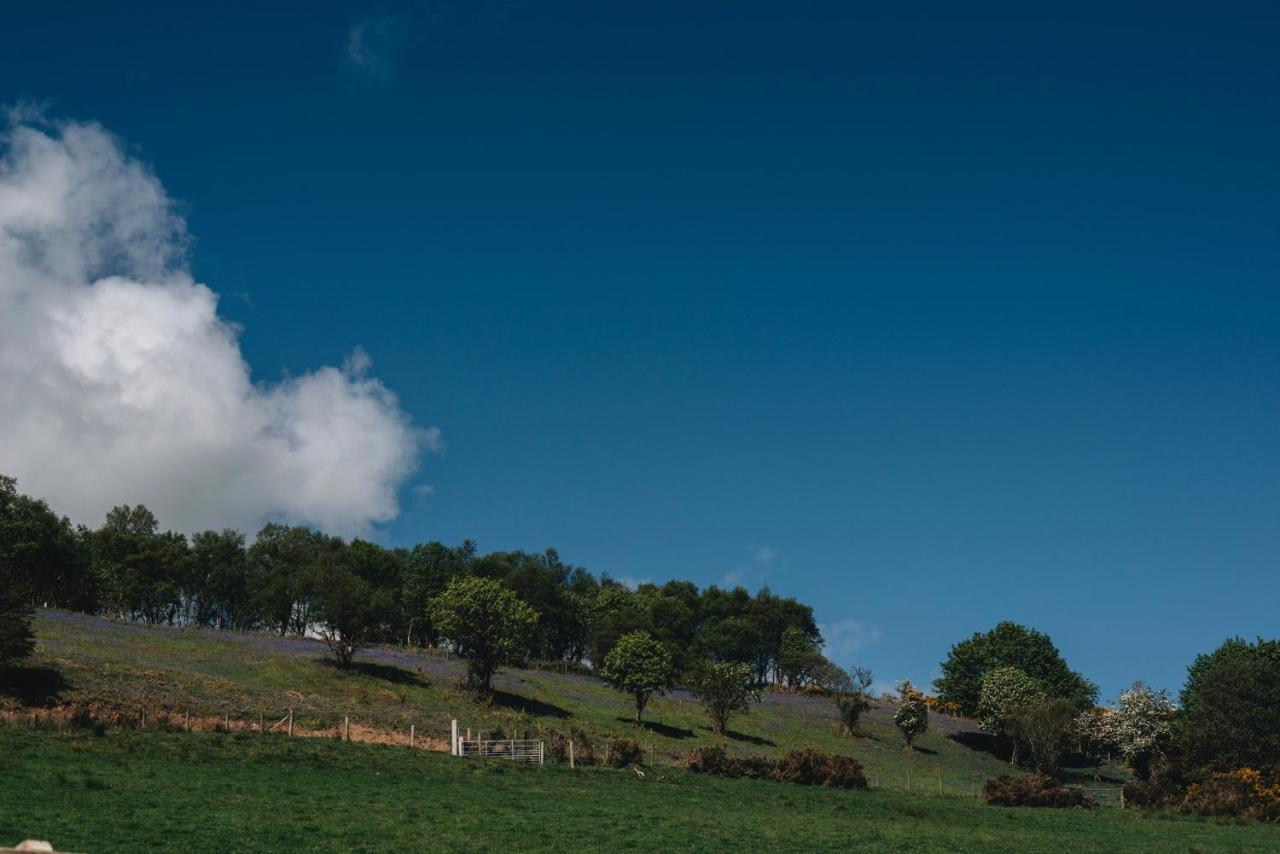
{"points": [[845, 638], [374, 45], [120, 383]]}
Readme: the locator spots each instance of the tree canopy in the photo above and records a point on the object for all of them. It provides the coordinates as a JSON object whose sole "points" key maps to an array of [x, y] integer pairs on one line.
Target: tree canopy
{"points": [[484, 622], [1009, 645], [640, 666], [1231, 707]]}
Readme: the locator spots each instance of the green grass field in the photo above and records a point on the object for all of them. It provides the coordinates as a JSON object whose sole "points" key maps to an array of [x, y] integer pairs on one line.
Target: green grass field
{"points": [[131, 791]]}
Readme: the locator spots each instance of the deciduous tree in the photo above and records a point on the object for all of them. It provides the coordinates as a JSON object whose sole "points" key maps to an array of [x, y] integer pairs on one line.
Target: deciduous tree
{"points": [[640, 666]]}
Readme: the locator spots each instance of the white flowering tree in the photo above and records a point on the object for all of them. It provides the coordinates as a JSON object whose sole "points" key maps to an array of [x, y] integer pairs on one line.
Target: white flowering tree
{"points": [[1007, 694], [1138, 726]]}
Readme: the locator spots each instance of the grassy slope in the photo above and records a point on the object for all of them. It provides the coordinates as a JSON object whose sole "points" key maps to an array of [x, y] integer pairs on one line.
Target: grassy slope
{"points": [[131, 791], [131, 666]]}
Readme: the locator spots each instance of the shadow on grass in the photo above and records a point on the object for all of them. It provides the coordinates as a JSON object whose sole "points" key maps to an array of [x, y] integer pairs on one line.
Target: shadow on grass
{"points": [[385, 672], [660, 729], [750, 739], [524, 704], [983, 743], [33, 686]]}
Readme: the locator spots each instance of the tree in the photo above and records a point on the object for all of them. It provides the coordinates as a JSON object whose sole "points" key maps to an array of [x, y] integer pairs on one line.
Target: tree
{"points": [[639, 666], [798, 657], [912, 716], [217, 587], [139, 569], [1007, 693], [428, 569], [848, 690], [1009, 645], [1139, 726], [44, 554], [485, 623], [724, 689], [1044, 728], [1231, 707], [16, 638], [344, 606]]}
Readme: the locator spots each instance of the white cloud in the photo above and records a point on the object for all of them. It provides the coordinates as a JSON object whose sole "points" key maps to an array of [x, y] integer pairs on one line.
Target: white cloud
{"points": [[120, 383], [374, 45], [764, 554], [845, 638]]}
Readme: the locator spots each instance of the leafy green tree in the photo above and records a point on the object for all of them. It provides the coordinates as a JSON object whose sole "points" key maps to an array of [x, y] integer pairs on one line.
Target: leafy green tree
{"points": [[343, 604], [16, 638], [139, 569], [1231, 707], [486, 623], [614, 612], [217, 587], [428, 569], [1044, 727], [282, 564], [640, 666], [724, 689], [45, 555], [1009, 645], [798, 657], [912, 716]]}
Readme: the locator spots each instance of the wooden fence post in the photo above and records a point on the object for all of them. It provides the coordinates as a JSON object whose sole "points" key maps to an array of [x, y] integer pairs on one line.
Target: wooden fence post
{"points": [[226, 721], [908, 779], [186, 721], [346, 727], [453, 737], [411, 727], [142, 719], [570, 755], [260, 722], [291, 722]]}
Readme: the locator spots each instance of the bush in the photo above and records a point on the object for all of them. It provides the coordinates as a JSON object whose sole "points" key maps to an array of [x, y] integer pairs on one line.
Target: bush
{"points": [[810, 768], [1163, 789], [715, 760], [624, 752], [805, 767], [1034, 790], [1242, 793]]}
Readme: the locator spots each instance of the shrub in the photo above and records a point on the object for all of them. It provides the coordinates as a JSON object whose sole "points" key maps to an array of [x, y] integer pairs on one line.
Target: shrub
{"points": [[1242, 793], [912, 717], [715, 760], [624, 752], [805, 767], [810, 768], [724, 689], [1034, 790]]}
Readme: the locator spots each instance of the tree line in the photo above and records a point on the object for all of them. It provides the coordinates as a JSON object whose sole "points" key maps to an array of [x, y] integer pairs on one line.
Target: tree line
{"points": [[293, 580]]}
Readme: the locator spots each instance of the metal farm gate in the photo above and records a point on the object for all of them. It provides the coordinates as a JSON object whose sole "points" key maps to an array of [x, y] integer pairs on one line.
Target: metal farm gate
{"points": [[515, 749]]}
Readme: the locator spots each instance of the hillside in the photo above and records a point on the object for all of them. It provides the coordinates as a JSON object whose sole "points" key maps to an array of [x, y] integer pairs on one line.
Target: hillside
{"points": [[121, 788], [123, 669]]}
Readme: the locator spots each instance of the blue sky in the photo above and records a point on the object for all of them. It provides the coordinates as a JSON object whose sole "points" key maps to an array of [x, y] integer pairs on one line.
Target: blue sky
{"points": [[931, 321]]}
